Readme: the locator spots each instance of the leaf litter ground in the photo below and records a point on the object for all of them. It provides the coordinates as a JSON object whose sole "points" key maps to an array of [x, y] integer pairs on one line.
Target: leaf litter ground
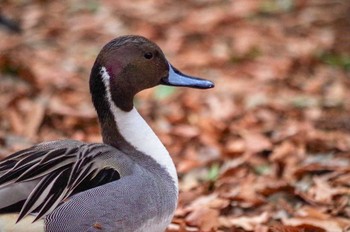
{"points": [[267, 150]]}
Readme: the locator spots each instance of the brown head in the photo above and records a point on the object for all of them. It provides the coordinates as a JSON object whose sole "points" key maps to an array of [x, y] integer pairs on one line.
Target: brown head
{"points": [[132, 64]]}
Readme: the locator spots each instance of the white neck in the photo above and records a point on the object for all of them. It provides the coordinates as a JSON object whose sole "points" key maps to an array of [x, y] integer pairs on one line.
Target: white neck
{"points": [[136, 131]]}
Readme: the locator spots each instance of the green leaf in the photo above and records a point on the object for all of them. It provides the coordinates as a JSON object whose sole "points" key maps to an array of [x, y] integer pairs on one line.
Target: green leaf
{"points": [[162, 92], [336, 60], [262, 169], [213, 172]]}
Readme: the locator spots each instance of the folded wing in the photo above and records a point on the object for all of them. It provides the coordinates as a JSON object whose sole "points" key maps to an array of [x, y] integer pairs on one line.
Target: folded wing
{"points": [[38, 179]]}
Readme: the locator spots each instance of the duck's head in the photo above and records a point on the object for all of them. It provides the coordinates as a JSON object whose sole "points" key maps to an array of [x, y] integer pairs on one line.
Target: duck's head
{"points": [[129, 64]]}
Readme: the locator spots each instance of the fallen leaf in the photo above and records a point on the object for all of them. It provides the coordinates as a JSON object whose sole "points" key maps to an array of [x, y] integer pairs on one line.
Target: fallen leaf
{"points": [[249, 223], [205, 218], [256, 142], [328, 225]]}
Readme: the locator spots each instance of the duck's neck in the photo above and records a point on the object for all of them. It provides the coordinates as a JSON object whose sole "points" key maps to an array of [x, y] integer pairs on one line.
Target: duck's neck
{"points": [[128, 131]]}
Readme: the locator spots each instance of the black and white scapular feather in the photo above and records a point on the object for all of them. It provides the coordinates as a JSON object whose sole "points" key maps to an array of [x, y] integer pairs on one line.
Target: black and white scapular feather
{"points": [[52, 172]]}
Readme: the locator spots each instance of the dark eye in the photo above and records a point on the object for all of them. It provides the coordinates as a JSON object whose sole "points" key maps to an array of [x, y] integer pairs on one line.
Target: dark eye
{"points": [[148, 55]]}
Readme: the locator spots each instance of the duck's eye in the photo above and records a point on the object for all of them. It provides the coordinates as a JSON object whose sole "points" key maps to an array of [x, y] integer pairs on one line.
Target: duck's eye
{"points": [[148, 55]]}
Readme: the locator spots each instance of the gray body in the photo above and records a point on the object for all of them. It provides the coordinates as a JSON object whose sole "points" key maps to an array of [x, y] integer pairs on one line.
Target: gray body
{"points": [[139, 201], [143, 199]]}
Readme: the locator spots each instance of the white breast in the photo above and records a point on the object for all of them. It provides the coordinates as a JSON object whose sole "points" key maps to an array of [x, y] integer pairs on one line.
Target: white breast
{"points": [[137, 132]]}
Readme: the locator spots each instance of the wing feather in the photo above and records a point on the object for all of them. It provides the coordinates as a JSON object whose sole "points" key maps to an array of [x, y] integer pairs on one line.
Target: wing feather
{"points": [[63, 169], [38, 195], [57, 194]]}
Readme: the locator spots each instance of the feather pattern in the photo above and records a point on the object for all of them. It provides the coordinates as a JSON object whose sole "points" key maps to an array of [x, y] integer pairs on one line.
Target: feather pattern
{"points": [[61, 169]]}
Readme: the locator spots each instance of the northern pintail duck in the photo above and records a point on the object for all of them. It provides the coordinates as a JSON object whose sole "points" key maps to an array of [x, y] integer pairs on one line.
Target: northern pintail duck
{"points": [[126, 183]]}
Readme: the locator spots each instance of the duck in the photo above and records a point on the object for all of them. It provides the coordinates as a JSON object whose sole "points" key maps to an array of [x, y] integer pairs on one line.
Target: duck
{"points": [[128, 182]]}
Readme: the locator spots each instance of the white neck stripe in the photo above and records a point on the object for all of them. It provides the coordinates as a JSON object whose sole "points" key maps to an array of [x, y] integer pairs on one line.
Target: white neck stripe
{"points": [[137, 132]]}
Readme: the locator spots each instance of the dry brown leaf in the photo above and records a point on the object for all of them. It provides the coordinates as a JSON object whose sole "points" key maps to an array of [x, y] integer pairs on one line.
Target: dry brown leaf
{"points": [[256, 142], [323, 192], [249, 223], [235, 147], [204, 212], [35, 119], [312, 212], [301, 228], [282, 151], [205, 218], [185, 131], [15, 120], [329, 225]]}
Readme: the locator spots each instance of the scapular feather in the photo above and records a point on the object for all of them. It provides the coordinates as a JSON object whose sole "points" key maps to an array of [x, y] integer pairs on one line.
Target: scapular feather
{"points": [[64, 168]]}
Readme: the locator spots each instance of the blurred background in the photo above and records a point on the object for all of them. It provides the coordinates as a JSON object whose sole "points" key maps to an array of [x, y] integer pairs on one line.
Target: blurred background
{"points": [[268, 149]]}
